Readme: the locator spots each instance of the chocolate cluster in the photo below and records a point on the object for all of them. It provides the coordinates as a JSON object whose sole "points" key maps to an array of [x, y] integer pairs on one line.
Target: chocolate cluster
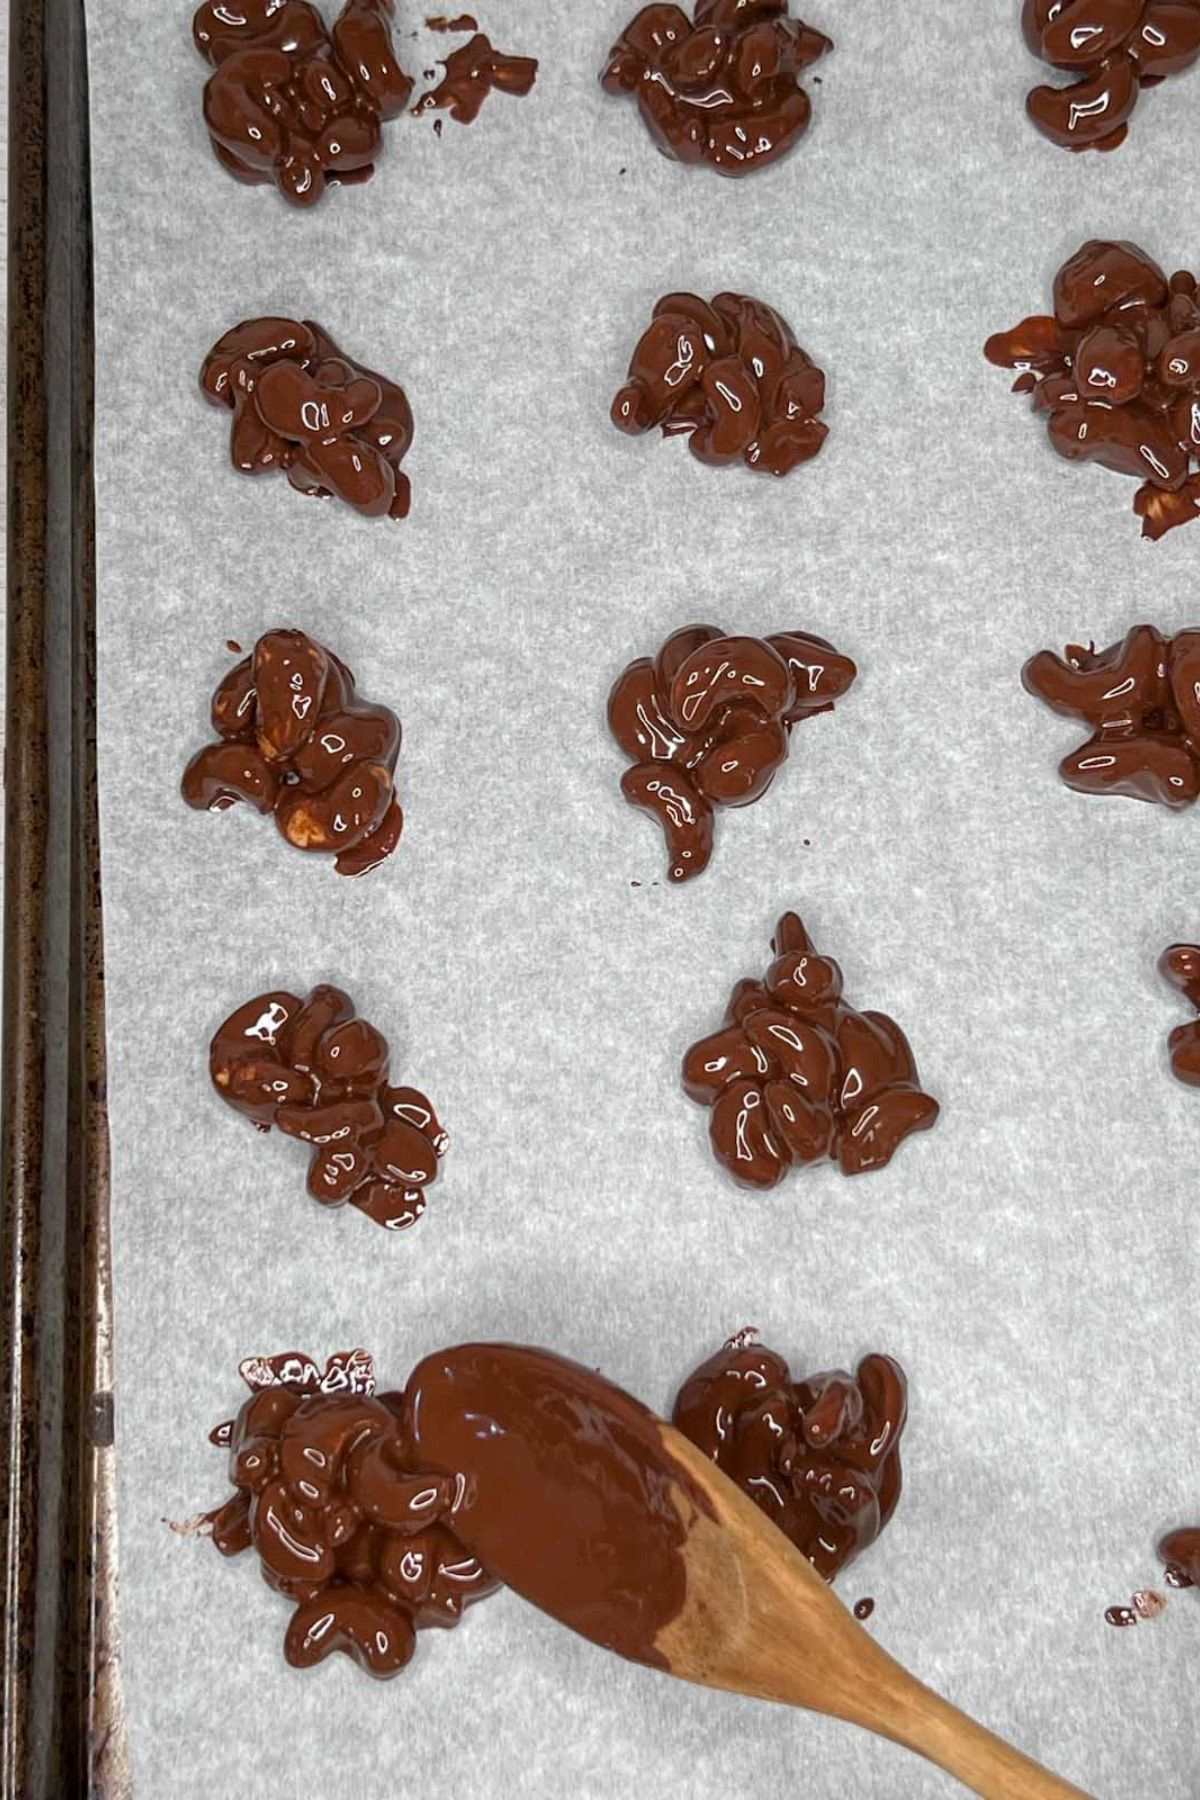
{"points": [[321, 1075], [707, 723], [474, 71], [1116, 371], [720, 88], [1180, 965], [295, 742], [294, 103], [1141, 700], [796, 1075], [344, 1521], [303, 408], [821, 1457], [1113, 49], [731, 377]]}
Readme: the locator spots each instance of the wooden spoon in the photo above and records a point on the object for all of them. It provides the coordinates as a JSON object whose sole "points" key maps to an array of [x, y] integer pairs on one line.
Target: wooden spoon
{"points": [[609, 1519]]}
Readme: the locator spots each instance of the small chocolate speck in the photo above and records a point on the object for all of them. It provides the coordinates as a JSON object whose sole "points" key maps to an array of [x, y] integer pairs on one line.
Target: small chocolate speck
{"points": [[437, 127], [807, 842], [1176, 1577], [635, 884], [233, 647], [817, 79], [429, 74], [864, 1608], [1120, 1616], [1148, 1603], [620, 171]]}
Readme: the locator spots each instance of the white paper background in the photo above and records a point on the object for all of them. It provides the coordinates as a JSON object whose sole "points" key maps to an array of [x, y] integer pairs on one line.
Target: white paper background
{"points": [[1032, 1261]]}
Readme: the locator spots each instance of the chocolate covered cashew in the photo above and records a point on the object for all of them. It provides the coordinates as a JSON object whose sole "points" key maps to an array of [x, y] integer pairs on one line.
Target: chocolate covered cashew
{"points": [[1113, 50], [1141, 698], [721, 88], [295, 104], [795, 1075], [303, 408], [730, 376], [343, 1520], [1116, 371], [821, 1457], [707, 724], [1180, 965], [321, 1075], [294, 740]]}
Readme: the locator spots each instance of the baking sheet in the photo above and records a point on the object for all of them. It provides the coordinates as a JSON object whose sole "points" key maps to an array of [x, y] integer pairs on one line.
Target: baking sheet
{"points": [[1032, 1261]]}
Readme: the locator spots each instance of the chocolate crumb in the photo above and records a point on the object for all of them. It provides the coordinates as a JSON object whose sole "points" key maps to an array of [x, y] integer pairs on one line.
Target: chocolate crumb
{"points": [[233, 647], [1120, 1616], [1148, 1603], [864, 1608]]}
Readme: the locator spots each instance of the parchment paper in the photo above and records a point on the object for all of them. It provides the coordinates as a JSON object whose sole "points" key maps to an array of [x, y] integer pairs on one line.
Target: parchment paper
{"points": [[1032, 1261]]}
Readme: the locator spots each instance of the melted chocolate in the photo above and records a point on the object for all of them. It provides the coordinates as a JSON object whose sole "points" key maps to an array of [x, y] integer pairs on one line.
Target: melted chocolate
{"points": [[345, 1520], [1180, 965], [1180, 1552], [1116, 371], [1113, 49], [731, 377], [821, 1457], [293, 103], [707, 723], [472, 73], [296, 742], [302, 406], [720, 88], [1141, 700], [563, 1489], [796, 1075], [321, 1075]]}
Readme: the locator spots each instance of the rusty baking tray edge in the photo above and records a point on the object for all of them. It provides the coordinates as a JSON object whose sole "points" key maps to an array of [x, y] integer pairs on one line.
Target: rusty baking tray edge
{"points": [[61, 1721]]}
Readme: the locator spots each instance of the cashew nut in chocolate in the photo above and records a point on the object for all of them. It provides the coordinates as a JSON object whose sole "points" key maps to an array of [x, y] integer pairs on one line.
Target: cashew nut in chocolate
{"points": [[796, 1075], [1116, 371], [730, 376], [707, 724], [354, 1500], [295, 741], [1141, 700], [722, 87], [821, 1457], [1113, 50], [303, 408], [321, 1075], [294, 103], [345, 1521], [1180, 965]]}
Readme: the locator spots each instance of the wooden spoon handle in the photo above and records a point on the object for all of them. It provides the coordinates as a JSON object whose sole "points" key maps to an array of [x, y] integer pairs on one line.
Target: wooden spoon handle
{"points": [[913, 1715]]}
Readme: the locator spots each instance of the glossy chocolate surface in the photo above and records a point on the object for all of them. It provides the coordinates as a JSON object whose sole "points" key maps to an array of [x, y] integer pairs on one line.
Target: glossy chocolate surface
{"points": [[1116, 371], [821, 1457], [1141, 701], [721, 88], [707, 723], [295, 741], [294, 103], [303, 408], [473, 72], [320, 1074], [1112, 50], [1180, 1551], [344, 1519], [1180, 965], [728, 375], [795, 1075], [564, 1489]]}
